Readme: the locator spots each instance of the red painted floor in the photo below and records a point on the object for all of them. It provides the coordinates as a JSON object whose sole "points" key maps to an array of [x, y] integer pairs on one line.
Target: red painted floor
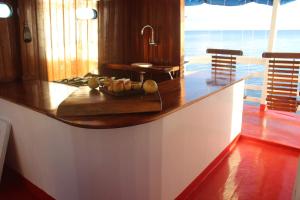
{"points": [[272, 126], [262, 166], [12, 188], [255, 170]]}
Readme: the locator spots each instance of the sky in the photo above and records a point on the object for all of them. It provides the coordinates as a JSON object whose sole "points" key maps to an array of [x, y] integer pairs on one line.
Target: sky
{"points": [[251, 16]]}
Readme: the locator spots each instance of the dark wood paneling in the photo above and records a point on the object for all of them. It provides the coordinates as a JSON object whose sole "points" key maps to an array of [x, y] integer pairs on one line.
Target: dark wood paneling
{"points": [[114, 29], [29, 51], [9, 49], [165, 17], [120, 27], [120, 41]]}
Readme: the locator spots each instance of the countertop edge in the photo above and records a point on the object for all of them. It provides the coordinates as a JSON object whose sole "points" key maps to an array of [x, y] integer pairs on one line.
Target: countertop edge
{"points": [[51, 113]]}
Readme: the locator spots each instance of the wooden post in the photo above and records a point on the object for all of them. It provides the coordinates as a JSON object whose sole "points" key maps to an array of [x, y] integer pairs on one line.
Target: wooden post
{"points": [[272, 38]]}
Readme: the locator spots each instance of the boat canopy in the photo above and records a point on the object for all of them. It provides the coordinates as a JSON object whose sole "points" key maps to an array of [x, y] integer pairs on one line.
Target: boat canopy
{"points": [[232, 2]]}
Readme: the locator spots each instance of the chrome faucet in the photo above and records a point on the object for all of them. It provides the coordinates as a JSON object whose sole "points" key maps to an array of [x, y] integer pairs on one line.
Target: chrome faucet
{"points": [[151, 40]]}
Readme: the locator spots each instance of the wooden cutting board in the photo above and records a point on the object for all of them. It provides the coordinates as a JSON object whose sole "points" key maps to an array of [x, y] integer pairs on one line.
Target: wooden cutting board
{"points": [[86, 102]]}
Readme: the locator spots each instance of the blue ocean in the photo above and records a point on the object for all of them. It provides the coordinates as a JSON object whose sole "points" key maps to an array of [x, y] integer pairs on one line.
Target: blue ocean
{"points": [[252, 42]]}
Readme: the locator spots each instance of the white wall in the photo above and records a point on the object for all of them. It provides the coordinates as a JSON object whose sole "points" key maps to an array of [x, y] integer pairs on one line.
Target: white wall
{"points": [[4, 136], [155, 161]]}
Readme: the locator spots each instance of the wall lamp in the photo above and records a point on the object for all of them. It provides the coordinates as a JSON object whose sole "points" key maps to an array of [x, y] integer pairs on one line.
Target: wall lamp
{"points": [[6, 10], [86, 13]]}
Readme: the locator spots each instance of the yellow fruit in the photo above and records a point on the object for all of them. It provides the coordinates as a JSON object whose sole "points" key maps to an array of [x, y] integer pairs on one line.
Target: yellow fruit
{"points": [[109, 88], [93, 83], [117, 86], [127, 84], [150, 86]]}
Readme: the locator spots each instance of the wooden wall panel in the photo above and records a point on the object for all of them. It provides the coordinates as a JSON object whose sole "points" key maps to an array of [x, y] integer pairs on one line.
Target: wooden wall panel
{"points": [[9, 49], [120, 27], [114, 31], [166, 17], [29, 51], [68, 47], [120, 41]]}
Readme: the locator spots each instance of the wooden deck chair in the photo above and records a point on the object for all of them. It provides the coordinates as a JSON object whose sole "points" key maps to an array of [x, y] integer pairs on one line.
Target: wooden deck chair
{"points": [[283, 79], [4, 136], [223, 65]]}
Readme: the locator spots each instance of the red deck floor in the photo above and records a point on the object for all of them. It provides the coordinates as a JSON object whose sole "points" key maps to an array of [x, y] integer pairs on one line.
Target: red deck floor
{"points": [[272, 126], [253, 171], [257, 169]]}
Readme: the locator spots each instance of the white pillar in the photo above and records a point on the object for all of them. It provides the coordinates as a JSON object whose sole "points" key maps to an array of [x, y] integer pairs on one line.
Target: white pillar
{"points": [[272, 38]]}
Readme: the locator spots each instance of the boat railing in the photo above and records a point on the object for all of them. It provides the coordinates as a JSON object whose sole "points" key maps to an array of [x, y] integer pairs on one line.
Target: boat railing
{"points": [[243, 61]]}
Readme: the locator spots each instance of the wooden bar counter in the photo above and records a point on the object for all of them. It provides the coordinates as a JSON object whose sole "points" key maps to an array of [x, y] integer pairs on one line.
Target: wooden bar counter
{"points": [[44, 97], [129, 156]]}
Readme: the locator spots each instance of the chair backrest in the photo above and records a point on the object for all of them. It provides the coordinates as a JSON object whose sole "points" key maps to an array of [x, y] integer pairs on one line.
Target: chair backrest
{"points": [[5, 128], [282, 83], [223, 64]]}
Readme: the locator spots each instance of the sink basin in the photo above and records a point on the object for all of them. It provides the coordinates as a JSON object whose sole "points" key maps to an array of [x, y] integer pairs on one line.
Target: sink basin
{"points": [[146, 65]]}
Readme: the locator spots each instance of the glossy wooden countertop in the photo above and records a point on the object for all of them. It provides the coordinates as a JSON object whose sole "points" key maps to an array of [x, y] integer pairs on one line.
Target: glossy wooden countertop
{"points": [[44, 97], [153, 68]]}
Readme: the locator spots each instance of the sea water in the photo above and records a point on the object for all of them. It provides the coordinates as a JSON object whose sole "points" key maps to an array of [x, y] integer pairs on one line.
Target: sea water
{"points": [[252, 42]]}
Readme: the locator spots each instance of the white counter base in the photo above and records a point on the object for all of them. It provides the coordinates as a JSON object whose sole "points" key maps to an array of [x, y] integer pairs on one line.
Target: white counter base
{"points": [[152, 161]]}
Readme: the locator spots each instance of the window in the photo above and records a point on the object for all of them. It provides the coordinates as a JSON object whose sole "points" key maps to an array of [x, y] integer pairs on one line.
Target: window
{"points": [[230, 27]]}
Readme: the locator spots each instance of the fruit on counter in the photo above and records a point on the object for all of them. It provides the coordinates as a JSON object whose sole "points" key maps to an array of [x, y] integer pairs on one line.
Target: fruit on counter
{"points": [[127, 84], [150, 86], [136, 85], [93, 83], [110, 88], [106, 81], [117, 86]]}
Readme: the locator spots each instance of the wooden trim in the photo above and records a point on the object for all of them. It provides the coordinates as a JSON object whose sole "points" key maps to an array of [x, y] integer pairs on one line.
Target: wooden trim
{"points": [[223, 69], [282, 89], [291, 85], [225, 51], [282, 71], [286, 109], [283, 93], [281, 55], [282, 104], [223, 57], [292, 67], [224, 61], [282, 80], [281, 98], [220, 65], [284, 76], [284, 62]]}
